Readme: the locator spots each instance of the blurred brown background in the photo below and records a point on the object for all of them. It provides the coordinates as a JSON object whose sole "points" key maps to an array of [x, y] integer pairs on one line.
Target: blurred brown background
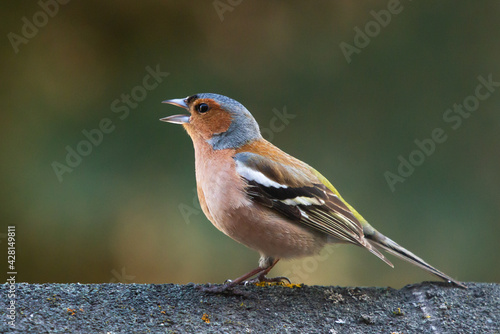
{"points": [[117, 216]]}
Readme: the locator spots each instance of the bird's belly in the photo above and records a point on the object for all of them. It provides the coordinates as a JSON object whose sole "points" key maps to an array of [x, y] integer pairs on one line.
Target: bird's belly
{"points": [[269, 233]]}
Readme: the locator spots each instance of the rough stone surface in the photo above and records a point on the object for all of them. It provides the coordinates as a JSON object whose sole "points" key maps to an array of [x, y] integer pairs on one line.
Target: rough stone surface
{"points": [[168, 308]]}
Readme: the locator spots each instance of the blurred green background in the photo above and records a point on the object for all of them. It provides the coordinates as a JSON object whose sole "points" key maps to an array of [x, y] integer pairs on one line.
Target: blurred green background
{"points": [[116, 217]]}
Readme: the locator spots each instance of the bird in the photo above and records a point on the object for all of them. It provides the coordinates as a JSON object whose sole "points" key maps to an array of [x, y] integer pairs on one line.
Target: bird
{"points": [[266, 199]]}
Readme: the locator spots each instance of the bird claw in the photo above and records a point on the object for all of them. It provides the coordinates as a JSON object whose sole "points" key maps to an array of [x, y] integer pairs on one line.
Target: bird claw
{"points": [[261, 279]]}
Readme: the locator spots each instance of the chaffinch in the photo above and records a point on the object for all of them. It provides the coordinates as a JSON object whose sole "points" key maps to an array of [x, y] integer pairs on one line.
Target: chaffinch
{"points": [[266, 199]]}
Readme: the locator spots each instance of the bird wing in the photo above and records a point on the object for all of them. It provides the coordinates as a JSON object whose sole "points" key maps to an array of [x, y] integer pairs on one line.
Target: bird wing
{"points": [[300, 194]]}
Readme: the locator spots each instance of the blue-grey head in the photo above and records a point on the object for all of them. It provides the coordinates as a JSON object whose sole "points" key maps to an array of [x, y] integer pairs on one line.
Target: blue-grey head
{"points": [[220, 121]]}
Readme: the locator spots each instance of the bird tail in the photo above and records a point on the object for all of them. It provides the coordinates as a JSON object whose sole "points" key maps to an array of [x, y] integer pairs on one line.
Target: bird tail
{"points": [[377, 239]]}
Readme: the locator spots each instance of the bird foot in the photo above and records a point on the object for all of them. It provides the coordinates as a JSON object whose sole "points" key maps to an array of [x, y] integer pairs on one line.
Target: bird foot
{"points": [[261, 278], [265, 279]]}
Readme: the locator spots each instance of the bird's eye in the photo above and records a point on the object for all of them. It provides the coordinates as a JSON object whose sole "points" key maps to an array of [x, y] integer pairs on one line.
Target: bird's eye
{"points": [[202, 108]]}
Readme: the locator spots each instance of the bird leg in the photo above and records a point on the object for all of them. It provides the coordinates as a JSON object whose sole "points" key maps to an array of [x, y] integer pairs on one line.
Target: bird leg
{"points": [[265, 265], [263, 278]]}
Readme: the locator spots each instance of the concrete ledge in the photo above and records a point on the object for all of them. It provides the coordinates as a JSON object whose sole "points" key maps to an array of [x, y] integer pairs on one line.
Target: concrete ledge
{"points": [[168, 308]]}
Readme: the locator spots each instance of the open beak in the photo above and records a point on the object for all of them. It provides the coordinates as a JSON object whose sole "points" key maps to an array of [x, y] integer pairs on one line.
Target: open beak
{"points": [[177, 119]]}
